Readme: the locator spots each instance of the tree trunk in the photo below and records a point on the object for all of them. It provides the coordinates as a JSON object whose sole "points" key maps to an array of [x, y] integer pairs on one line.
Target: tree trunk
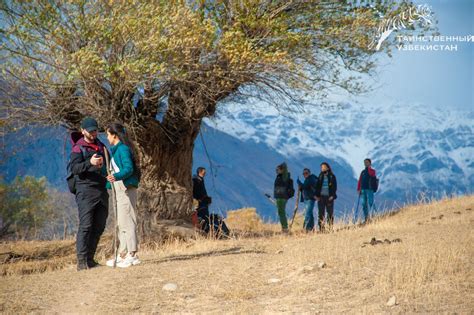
{"points": [[165, 192], [165, 154]]}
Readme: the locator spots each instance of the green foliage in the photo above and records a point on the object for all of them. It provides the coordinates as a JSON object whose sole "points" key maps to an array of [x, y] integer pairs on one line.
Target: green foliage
{"points": [[135, 60], [75, 56], [23, 206]]}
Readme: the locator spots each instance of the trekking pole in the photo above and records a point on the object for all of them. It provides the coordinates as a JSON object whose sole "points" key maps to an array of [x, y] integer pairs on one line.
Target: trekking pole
{"points": [[357, 210], [270, 199], [114, 204], [296, 208]]}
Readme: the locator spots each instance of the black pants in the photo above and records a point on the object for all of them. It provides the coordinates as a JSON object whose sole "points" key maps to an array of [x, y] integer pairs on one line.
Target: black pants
{"points": [[93, 212], [203, 217], [211, 221], [324, 204]]}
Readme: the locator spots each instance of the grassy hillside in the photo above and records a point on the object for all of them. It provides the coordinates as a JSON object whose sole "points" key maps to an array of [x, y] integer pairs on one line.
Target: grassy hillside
{"points": [[422, 256]]}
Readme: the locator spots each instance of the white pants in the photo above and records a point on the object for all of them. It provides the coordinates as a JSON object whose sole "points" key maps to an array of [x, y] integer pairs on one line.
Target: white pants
{"points": [[126, 217]]}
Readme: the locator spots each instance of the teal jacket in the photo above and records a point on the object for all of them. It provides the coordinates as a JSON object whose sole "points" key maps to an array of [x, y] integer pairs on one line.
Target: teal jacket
{"points": [[123, 158]]}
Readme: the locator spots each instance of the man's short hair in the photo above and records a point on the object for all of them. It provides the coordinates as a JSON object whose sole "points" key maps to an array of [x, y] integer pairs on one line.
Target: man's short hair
{"points": [[370, 161], [200, 169], [307, 170]]}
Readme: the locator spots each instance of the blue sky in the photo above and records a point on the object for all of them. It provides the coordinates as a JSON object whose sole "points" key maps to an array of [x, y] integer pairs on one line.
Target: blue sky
{"points": [[442, 79]]}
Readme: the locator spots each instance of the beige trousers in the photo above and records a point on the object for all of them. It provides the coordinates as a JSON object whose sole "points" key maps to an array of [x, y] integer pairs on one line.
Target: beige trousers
{"points": [[126, 217]]}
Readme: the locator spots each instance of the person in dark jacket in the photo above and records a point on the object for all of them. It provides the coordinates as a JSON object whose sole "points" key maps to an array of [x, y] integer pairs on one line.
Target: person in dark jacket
{"points": [[283, 190], [89, 170], [208, 222], [308, 188], [365, 188], [200, 194], [326, 195]]}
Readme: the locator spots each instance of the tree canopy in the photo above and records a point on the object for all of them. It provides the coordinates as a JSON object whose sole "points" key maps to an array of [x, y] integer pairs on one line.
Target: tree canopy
{"points": [[161, 66], [65, 59]]}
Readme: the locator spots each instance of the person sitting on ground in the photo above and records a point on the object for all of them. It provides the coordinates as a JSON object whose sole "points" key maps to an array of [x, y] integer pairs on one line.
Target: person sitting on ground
{"points": [[365, 188], [125, 177], [308, 188], [326, 195], [283, 190]]}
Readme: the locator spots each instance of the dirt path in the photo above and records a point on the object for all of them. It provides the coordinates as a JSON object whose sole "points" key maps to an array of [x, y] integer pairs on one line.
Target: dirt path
{"points": [[429, 270]]}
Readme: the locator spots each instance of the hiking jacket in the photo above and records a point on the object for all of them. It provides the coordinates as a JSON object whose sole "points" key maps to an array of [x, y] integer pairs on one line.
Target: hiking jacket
{"points": [[332, 182], [365, 181], [282, 187], [199, 190], [90, 180], [308, 187], [123, 158]]}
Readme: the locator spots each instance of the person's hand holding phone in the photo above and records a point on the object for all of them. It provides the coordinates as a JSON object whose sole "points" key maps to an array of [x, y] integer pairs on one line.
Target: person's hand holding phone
{"points": [[97, 160]]}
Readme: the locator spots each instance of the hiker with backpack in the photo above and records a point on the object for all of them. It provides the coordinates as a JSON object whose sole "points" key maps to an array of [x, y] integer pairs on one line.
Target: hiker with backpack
{"points": [[209, 223], [86, 179], [326, 195], [308, 187], [125, 176], [367, 185], [283, 190]]}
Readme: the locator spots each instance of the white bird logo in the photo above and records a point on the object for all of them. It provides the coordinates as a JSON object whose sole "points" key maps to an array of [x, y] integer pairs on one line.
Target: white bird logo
{"points": [[408, 17]]}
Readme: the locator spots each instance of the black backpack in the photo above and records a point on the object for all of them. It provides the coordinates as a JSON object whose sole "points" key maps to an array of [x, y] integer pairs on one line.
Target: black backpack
{"points": [[71, 178], [291, 188], [374, 183]]}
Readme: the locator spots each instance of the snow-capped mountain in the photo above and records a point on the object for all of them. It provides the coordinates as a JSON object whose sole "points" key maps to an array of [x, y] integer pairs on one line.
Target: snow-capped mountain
{"points": [[414, 148]]}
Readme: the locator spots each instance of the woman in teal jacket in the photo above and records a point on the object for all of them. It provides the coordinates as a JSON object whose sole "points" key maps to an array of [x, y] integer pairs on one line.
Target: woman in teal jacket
{"points": [[125, 177]]}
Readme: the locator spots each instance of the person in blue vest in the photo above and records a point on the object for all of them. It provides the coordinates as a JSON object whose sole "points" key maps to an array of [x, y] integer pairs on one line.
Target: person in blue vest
{"points": [[326, 195], [308, 189], [125, 176], [365, 188]]}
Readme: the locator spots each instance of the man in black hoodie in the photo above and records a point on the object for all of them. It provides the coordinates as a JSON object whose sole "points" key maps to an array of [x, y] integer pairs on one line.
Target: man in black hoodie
{"points": [[87, 175]]}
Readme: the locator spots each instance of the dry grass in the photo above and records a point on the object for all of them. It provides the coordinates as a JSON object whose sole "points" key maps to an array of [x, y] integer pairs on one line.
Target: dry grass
{"points": [[26, 257], [430, 270]]}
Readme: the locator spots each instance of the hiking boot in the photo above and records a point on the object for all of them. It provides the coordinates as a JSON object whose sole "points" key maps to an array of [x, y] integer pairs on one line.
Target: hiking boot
{"points": [[91, 263], [82, 264]]}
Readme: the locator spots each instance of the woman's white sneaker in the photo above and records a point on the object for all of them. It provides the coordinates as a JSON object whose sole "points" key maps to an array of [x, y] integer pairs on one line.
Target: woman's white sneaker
{"points": [[132, 259], [124, 264], [110, 262]]}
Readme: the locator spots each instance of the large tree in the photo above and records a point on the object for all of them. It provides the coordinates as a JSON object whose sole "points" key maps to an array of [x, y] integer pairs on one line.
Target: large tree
{"points": [[160, 67]]}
